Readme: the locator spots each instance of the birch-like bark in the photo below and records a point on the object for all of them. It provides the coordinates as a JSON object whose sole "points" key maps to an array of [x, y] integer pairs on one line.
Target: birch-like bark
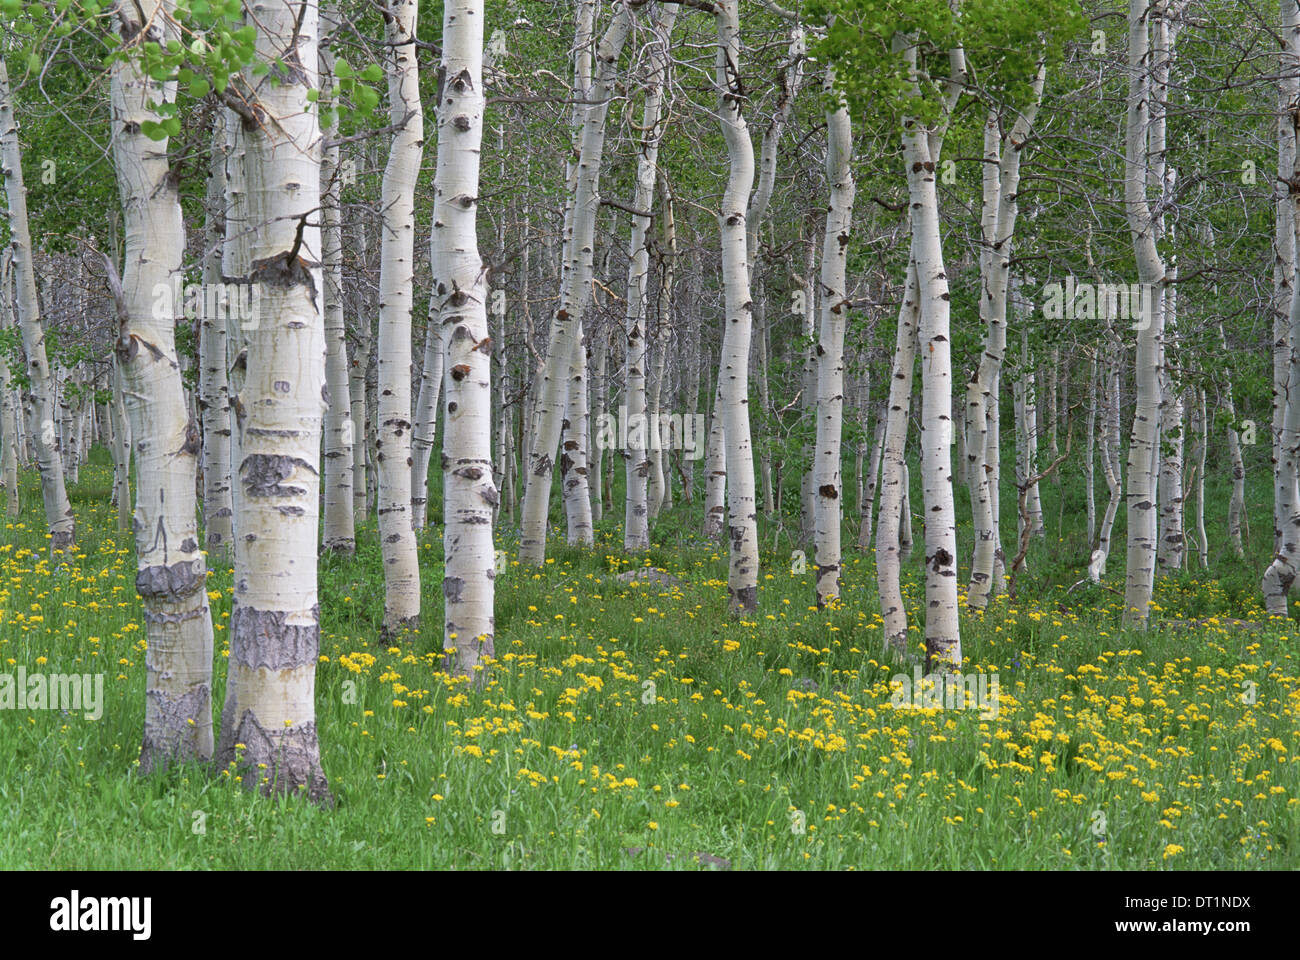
{"points": [[942, 634], [214, 384], [575, 291], [396, 288], [742, 523], [268, 724], [1144, 445], [1237, 502], [9, 438], [469, 495], [120, 441], [171, 575], [893, 489], [636, 526], [340, 433], [715, 471], [1002, 156], [827, 479], [659, 491], [357, 366], [1284, 236], [575, 489], [59, 520], [426, 418]]}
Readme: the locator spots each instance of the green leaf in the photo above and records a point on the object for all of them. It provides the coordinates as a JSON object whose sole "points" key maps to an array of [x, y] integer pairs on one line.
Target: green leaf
{"points": [[199, 88], [153, 130]]}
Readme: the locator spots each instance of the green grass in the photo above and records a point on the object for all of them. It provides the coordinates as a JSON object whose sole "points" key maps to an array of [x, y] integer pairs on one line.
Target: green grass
{"points": [[638, 726]]}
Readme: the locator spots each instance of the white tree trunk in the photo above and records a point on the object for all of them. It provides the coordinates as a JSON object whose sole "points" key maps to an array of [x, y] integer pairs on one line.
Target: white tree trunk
{"points": [[10, 440], [59, 519], [426, 418], [575, 292], [171, 575], [893, 489], [340, 434], [1144, 446], [942, 635], [827, 479], [742, 523], [469, 495], [1002, 156], [396, 287], [268, 724], [214, 384]]}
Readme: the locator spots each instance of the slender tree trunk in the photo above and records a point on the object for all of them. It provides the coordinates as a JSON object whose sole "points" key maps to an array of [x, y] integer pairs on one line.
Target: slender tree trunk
{"points": [[1002, 156], [357, 367], [268, 724], [1144, 446], [340, 433], [742, 581], [59, 519], [469, 495], [426, 417], [1237, 502], [214, 384], [942, 636], [10, 441], [827, 477], [575, 291], [893, 491], [636, 526], [171, 575]]}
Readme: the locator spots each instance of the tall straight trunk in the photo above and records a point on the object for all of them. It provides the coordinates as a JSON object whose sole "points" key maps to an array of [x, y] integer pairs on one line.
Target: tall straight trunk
{"points": [[742, 523], [469, 495], [715, 471], [790, 79], [214, 383], [426, 417], [10, 441], [1284, 237], [893, 489], [1111, 444], [1200, 427], [171, 575], [1281, 574], [598, 351], [268, 724], [1090, 466], [59, 520], [827, 479], [942, 635], [357, 366], [396, 288], [873, 482], [573, 457], [660, 487], [1144, 60], [808, 407], [121, 446], [340, 433], [694, 362], [1002, 156], [636, 527], [235, 268], [575, 291], [1237, 502]]}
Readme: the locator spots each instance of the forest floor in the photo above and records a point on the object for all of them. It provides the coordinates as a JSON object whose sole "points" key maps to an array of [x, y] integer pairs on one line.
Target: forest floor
{"points": [[637, 725]]}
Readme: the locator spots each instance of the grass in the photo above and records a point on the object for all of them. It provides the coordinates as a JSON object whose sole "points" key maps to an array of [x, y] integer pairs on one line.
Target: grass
{"points": [[641, 727]]}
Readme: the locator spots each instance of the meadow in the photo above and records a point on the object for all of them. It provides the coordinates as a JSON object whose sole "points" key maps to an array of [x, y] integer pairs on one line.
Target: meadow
{"points": [[636, 725]]}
